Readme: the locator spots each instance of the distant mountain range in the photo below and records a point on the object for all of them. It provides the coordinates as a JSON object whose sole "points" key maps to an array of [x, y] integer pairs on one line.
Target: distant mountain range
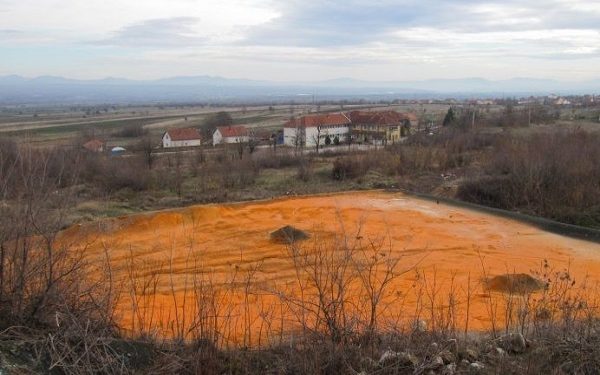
{"points": [[16, 90]]}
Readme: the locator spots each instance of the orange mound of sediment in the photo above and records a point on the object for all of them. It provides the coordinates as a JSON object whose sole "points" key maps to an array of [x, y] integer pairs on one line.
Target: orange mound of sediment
{"points": [[214, 268], [288, 235], [519, 283]]}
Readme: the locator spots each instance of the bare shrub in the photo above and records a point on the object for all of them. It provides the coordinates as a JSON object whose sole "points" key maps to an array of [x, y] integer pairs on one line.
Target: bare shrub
{"points": [[328, 271], [278, 160], [113, 174], [236, 174], [395, 161], [341, 285], [544, 175], [46, 283], [304, 170], [36, 270], [349, 167]]}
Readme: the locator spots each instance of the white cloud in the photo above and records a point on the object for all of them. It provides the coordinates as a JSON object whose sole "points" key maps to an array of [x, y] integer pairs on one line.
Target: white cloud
{"points": [[100, 18], [304, 39]]}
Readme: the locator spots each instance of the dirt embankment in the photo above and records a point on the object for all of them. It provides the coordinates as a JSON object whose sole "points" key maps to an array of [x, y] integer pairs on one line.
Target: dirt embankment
{"points": [[219, 263]]}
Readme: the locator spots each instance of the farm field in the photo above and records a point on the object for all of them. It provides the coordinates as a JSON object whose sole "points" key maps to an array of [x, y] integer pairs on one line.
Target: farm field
{"points": [[66, 126], [214, 270]]}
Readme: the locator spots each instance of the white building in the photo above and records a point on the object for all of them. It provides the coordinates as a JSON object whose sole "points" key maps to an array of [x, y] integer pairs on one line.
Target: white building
{"points": [[186, 137], [307, 130], [562, 101], [231, 134]]}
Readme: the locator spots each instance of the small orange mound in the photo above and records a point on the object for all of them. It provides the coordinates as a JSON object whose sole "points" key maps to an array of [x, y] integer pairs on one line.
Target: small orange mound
{"points": [[288, 235], [519, 283]]}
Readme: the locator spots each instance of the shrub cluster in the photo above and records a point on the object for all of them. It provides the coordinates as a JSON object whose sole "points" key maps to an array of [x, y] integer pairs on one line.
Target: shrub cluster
{"points": [[551, 175]]}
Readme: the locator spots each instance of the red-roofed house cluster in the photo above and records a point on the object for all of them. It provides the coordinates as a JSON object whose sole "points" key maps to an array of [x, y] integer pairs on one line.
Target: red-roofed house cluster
{"points": [[367, 127], [377, 127], [189, 137]]}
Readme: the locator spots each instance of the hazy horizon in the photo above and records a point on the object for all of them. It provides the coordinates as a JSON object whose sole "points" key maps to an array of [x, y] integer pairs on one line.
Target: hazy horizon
{"points": [[291, 81], [301, 41]]}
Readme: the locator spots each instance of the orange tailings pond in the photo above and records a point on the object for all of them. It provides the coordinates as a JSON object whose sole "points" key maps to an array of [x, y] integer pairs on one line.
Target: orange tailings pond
{"points": [[213, 271]]}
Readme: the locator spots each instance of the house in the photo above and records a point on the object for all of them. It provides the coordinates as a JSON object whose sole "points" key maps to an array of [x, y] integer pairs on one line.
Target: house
{"points": [[323, 128], [184, 137], [95, 145], [231, 134], [381, 127], [562, 101]]}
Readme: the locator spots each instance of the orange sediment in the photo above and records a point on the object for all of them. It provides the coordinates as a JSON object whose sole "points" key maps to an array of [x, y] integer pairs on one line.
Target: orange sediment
{"points": [[213, 269]]}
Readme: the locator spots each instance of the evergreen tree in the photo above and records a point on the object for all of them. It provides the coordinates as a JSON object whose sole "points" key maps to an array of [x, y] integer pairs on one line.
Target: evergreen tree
{"points": [[450, 117]]}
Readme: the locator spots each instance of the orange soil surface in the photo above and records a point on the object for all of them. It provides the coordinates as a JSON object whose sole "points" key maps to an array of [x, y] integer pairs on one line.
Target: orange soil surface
{"points": [[218, 263]]}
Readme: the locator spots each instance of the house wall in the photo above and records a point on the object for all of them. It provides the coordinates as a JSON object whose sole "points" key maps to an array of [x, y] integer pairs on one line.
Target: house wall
{"points": [[370, 133], [242, 139], [289, 137], [380, 134], [169, 143], [166, 140], [393, 133], [217, 137], [341, 131], [188, 143], [308, 136]]}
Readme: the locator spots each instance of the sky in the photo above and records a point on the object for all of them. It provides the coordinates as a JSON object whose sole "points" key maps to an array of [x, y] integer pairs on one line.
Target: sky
{"points": [[301, 40]]}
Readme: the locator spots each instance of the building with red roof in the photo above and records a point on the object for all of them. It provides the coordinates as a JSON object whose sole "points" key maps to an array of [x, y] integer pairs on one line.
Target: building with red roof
{"points": [[377, 127], [381, 127], [231, 134], [322, 128], [95, 145], [182, 137]]}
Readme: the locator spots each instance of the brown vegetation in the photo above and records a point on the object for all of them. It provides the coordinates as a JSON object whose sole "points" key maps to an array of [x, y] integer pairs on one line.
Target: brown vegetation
{"points": [[347, 300], [551, 175]]}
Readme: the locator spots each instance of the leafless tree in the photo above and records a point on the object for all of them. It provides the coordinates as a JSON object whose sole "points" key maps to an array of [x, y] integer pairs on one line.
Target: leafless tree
{"points": [[39, 274], [377, 267], [252, 143], [317, 138], [146, 145]]}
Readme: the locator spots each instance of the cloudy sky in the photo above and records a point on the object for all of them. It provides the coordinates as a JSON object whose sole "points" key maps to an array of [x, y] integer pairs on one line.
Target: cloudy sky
{"points": [[301, 40]]}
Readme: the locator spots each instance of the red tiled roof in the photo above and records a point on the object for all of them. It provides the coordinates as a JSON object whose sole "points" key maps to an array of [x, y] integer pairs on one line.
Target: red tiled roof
{"points": [[233, 131], [184, 134], [94, 145], [318, 120], [410, 116], [380, 117]]}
